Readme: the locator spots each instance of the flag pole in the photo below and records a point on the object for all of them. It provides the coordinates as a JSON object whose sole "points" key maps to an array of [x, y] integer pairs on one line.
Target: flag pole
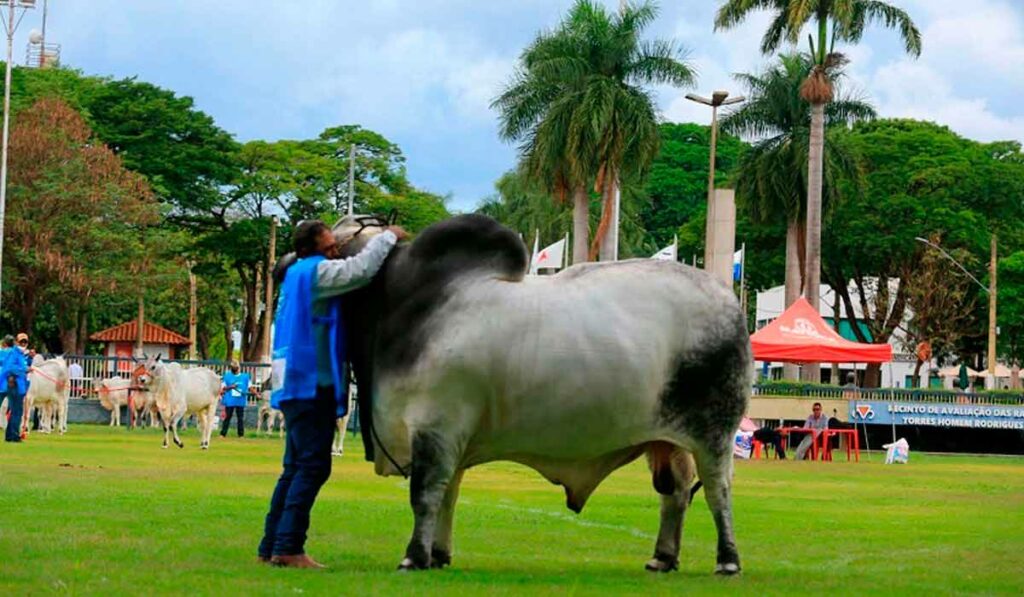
{"points": [[743, 276]]}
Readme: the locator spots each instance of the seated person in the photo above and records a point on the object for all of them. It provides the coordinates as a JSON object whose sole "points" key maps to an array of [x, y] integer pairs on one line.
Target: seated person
{"points": [[818, 422]]}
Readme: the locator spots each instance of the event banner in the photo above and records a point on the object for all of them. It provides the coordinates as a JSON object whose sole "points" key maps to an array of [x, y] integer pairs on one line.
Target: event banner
{"points": [[974, 416]]}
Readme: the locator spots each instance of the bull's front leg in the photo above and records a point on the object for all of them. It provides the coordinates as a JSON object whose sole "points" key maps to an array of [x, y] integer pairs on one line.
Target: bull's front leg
{"points": [[441, 551], [433, 467]]}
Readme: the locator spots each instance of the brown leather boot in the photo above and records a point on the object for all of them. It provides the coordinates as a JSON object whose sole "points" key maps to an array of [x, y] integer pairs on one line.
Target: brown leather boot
{"points": [[297, 561]]}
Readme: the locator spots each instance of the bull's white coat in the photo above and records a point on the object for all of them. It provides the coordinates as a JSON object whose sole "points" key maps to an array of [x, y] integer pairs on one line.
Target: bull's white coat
{"points": [[558, 372]]}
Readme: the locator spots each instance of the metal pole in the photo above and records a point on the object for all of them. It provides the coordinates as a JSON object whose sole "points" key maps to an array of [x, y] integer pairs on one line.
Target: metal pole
{"points": [[351, 176], [709, 224], [268, 300], [7, 118], [992, 314], [191, 312], [42, 43]]}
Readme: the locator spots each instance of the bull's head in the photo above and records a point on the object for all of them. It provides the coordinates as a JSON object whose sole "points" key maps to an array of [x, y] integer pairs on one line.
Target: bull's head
{"points": [[353, 232], [146, 370]]}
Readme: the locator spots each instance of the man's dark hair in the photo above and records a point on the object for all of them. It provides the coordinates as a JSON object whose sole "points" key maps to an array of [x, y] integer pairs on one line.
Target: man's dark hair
{"points": [[8, 341], [818, 404], [305, 237]]}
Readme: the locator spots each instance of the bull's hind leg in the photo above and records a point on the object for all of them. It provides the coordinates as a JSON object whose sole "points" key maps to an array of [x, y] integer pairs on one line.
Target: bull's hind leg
{"points": [[672, 472], [441, 552], [433, 468], [714, 465]]}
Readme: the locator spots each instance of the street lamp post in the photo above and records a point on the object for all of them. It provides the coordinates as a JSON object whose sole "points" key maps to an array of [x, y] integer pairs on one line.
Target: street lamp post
{"points": [[718, 99], [10, 26], [990, 290]]}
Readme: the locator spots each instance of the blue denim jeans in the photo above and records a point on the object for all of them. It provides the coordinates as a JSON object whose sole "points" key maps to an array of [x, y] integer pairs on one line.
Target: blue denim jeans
{"points": [[307, 465], [15, 403]]}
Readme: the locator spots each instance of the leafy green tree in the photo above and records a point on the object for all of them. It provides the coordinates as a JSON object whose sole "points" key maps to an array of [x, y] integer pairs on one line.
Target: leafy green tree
{"points": [[677, 186], [921, 179], [578, 106], [73, 214], [832, 21]]}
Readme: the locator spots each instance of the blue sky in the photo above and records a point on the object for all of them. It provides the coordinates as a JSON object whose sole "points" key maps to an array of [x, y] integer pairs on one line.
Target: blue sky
{"points": [[422, 72]]}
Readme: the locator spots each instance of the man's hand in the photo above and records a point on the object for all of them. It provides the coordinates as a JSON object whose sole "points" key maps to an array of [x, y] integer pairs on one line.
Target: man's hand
{"points": [[399, 232], [12, 382]]}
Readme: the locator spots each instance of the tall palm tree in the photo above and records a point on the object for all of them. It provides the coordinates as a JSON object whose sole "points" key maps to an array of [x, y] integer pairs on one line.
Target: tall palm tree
{"points": [[771, 180], [847, 20], [578, 107]]}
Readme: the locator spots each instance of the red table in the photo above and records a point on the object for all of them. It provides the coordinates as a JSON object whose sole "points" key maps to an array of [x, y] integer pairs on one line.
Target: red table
{"points": [[852, 439], [785, 431]]}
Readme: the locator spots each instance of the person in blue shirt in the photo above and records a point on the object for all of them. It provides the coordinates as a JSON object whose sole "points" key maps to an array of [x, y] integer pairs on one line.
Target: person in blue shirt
{"points": [[308, 377], [234, 391], [14, 383]]}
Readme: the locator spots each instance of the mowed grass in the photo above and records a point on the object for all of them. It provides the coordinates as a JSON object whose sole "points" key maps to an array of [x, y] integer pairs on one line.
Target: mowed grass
{"points": [[105, 511]]}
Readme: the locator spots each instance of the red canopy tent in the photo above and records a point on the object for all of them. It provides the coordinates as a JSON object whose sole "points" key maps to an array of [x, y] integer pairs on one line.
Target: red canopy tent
{"points": [[800, 335]]}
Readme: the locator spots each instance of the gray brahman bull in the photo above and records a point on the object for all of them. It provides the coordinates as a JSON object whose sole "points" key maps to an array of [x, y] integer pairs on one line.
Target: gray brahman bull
{"points": [[464, 360]]}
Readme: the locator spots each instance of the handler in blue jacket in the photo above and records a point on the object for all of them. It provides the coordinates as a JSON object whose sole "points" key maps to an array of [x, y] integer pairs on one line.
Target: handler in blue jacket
{"points": [[308, 377], [234, 391], [14, 383]]}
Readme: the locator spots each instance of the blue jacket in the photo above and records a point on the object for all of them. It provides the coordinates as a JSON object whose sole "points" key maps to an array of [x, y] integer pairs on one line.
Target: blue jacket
{"points": [[13, 363], [294, 371], [236, 396]]}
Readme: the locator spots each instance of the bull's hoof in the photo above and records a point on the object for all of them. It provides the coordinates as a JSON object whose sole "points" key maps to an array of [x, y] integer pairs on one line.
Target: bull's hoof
{"points": [[440, 558], [164, 446], [657, 564], [204, 447], [727, 569], [408, 565], [179, 444]]}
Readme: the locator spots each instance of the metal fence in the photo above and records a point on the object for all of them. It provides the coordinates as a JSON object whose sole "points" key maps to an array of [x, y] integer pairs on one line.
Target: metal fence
{"points": [[106, 367], [887, 394]]}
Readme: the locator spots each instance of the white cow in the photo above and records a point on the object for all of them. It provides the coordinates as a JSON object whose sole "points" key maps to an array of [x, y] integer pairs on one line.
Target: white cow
{"points": [[116, 392], [338, 449], [177, 392], [49, 391], [269, 416], [468, 361]]}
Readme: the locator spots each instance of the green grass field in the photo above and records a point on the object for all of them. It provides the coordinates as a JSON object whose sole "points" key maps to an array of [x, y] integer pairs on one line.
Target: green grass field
{"points": [[104, 511]]}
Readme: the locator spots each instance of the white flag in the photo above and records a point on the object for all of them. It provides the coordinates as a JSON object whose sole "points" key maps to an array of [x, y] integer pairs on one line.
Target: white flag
{"points": [[669, 253], [551, 256]]}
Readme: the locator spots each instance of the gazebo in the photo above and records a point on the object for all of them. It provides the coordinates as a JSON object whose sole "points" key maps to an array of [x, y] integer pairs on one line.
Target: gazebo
{"points": [[120, 340]]}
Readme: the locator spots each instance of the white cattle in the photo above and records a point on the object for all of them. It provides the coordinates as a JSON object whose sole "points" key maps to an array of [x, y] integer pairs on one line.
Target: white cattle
{"points": [[269, 416], [115, 392], [338, 448], [465, 360], [48, 391], [177, 391]]}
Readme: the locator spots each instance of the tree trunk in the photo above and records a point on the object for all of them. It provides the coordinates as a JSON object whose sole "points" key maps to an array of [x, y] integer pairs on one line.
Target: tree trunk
{"points": [[812, 264], [83, 330], [793, 283], [610, 239], [229, 323], [917, 373], [872, 376], [580, 224]]}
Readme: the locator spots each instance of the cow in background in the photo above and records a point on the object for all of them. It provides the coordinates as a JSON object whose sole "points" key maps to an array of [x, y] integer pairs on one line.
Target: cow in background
{"points": [[464, 360], [48, 390], [177, 392]]}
